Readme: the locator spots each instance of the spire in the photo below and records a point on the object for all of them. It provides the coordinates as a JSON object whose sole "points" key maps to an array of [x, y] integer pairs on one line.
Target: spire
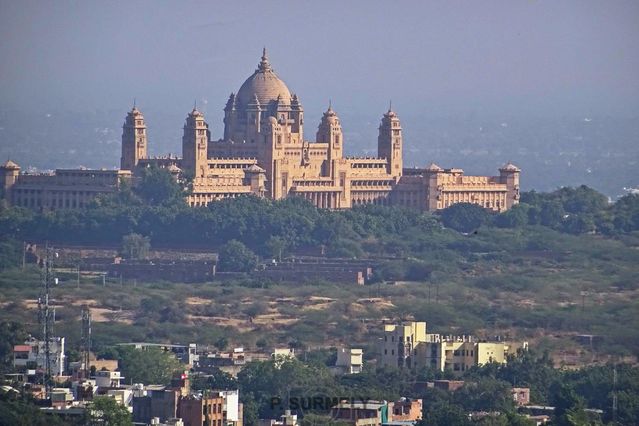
{"points": [[264, 64], [330, 104], [390, 105]]}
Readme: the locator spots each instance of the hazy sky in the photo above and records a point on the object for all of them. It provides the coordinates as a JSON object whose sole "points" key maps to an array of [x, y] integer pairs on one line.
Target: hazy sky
{"points": [[520, 57]]}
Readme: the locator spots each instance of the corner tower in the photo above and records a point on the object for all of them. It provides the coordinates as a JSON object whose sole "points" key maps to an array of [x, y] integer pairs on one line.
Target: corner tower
{"points": [[9, 172], [134, 143], [330, 132], [195, 144], [389, 143], [509, 175]]}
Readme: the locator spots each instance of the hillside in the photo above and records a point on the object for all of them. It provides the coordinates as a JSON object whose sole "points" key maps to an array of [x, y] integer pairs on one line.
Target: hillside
{"points": [[544, 293]]}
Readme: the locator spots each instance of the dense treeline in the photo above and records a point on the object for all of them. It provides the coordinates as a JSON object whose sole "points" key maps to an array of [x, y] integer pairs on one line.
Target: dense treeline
{"points": [[155, 209]]}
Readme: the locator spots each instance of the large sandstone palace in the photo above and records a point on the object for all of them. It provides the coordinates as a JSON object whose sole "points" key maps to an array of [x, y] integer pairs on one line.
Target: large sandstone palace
{"points": [[264, 152]]}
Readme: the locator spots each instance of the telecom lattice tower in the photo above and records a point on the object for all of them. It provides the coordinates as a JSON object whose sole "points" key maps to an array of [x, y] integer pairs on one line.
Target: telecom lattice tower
{"points": [[46, 315], [86, 340]]}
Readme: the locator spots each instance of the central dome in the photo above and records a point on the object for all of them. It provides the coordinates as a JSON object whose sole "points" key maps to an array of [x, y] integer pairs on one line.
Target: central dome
{"points": [[263, 84]]}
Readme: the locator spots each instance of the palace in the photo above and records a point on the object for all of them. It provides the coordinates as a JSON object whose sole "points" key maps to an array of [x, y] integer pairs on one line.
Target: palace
{"points": [[264, 152]]}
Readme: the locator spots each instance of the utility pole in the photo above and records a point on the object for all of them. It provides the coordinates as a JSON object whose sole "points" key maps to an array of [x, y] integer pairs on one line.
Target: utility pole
{"points": [[24, 254]]}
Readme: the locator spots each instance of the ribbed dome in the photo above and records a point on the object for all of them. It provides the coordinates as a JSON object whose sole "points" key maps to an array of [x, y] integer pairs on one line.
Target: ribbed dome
{"points": [[263, 84]]}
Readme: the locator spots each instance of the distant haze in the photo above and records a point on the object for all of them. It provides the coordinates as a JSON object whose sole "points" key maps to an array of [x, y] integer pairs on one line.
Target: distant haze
{"points": [[577, 59]]}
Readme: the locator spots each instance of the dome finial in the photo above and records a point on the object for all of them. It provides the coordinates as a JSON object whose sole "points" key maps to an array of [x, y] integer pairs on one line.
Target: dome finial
{"points": [[264, 64]]}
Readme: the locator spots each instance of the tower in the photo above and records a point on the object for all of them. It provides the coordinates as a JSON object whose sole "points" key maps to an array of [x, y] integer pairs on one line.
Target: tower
{"points": [[46, 315], [330, 132], [509, 175], [134, 143], [195, 144], [230, 117], [9, 173], [85, 342], [389, 143]]}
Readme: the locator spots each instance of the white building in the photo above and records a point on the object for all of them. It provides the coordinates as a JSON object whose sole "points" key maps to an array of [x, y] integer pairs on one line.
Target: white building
{"points": [[108, 379], [32, 354]]}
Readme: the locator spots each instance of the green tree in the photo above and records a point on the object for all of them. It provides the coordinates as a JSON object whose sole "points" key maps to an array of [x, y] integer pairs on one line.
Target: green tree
{"points": [[236, 257], [10, 253], [106, 411], [444, 414], [148, 366], [135, 246], [222, 343], [158, 187], [551, 214], [486, 394], [217, 379], [569, 406], [16, 412], [516, 217], [464, 217], [276, 247], [319, 420]]}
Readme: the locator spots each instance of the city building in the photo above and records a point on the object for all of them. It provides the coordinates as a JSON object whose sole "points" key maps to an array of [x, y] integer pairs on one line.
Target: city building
{"points": [[286, 419], [403, 345], [405, 411], [409, 345], [32, 355], [201, 410], [349, 361], [521, 396], [108, 379], [265, 152], [159, 402], [459, 353], [361, 413], [280, 355], [62, 189], [186, 354]]}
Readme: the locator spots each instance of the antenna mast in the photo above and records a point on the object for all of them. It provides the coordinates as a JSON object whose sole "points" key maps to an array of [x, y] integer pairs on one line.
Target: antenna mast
{"points": [[46, 314], [86, 340]]}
